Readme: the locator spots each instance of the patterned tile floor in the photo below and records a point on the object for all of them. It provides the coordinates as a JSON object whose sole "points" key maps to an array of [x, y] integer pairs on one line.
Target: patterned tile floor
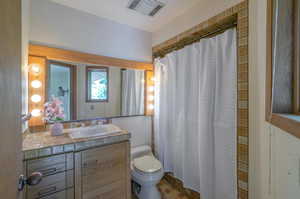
{"points": [[168, 191]]}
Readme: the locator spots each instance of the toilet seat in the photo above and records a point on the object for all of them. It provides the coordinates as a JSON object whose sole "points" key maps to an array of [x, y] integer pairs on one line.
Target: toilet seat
{"points": [[147, 164]]}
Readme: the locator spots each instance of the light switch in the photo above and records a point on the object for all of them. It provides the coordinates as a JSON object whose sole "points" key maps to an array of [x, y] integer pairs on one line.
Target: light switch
{"points": [[92, 107]]}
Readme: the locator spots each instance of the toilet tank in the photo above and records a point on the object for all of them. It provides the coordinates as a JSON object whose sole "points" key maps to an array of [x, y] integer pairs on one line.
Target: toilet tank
{"points": [[140, 151], [140, 128]]}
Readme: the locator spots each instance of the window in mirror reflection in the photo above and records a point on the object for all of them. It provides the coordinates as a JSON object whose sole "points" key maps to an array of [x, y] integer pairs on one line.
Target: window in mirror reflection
{"points": [[97, 84]]}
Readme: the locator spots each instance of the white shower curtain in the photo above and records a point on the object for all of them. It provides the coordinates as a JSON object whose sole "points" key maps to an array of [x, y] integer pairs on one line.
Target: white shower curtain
{"points": [[132, 92], [195, 115]]}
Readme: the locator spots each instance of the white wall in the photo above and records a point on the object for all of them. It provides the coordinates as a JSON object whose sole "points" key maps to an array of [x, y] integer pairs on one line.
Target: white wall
{"points": [[204, 10], [274, 154], [59, 26], [140, 128]]}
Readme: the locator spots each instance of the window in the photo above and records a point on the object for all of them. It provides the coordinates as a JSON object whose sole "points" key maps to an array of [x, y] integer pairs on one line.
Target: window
{"points": [[97, 84], [282, 83]]}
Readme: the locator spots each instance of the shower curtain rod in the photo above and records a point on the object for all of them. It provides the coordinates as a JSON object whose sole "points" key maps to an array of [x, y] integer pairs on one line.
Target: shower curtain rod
{"points": [[192, 39]]}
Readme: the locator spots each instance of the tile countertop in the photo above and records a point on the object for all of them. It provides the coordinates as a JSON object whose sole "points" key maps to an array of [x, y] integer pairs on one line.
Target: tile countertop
{"points": [[36, 145]]}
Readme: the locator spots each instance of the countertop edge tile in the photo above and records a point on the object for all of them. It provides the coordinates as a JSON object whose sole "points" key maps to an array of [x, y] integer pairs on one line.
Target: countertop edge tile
{"points": [[36, 145]]}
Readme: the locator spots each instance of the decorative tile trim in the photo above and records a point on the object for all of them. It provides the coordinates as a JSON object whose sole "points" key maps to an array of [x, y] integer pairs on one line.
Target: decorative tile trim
{"points": [[53, 150], [243, 185], [240, 14]]}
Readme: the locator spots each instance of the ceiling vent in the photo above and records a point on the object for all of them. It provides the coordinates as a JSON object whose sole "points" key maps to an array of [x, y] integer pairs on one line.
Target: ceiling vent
{"points": [[146, 7]]}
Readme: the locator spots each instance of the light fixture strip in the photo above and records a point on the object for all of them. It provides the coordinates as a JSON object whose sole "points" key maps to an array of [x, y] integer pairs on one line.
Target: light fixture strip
{"points": [[36, 89]]}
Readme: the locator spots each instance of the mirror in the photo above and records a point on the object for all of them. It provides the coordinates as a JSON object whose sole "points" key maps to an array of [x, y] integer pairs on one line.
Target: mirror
{"points": [[93, 91]]}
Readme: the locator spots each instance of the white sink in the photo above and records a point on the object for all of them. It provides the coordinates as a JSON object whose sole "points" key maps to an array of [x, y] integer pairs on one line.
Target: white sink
{"points": [[93, 131]]}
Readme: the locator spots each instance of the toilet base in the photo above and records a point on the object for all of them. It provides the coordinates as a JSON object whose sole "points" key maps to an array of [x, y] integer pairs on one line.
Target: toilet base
{"points": [[149, 192]]}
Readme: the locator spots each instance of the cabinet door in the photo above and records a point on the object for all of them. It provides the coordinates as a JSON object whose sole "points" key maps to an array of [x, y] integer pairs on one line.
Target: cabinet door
{"points": [[103, 172]]}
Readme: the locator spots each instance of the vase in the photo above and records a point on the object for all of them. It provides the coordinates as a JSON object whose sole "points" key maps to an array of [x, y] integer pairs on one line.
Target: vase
{"points": [[57, 129]]}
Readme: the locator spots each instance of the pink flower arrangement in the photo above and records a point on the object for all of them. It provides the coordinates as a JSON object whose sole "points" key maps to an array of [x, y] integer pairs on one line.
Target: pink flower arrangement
{"points": [[53, 110]]}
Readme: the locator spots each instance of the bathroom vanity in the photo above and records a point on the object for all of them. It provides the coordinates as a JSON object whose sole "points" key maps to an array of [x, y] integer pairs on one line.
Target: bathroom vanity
{"points": [[95, 168], [82, 90]]}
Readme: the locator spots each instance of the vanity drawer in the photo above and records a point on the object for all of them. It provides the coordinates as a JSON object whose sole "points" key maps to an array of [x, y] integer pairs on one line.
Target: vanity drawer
{"points": [[66, 194], [51, 165], [51, 184]]}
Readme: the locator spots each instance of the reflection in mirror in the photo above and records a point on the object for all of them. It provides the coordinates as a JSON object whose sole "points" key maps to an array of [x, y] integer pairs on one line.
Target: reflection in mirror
{"points": [[60, 85], [132, 92], [89, 92], [97, 84]]}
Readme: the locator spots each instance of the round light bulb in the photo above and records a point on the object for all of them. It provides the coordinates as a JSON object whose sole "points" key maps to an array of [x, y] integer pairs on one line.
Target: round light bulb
{"points": [[36, 112], [153, 79], [36, 98], [36, 84], [151, 97], [35, 68], [143, 81], [151, 89], [150, 106]]}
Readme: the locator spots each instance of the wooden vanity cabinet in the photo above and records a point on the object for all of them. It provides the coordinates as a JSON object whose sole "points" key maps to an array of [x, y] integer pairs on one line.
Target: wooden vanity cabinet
{"points": [[94, 173], [103, 173]]}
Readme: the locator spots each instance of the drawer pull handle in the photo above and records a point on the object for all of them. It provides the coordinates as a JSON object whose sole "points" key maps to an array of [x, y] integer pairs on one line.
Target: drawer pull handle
{"points": [[47, 191], [48, 171]]}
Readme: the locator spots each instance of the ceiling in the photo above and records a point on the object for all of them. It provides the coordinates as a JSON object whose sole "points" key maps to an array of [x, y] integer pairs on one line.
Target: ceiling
{"points": [[117, 10]]}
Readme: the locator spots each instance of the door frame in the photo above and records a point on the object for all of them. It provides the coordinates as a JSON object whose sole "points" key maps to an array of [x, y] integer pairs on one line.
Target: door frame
{"points": [[73, 96]]}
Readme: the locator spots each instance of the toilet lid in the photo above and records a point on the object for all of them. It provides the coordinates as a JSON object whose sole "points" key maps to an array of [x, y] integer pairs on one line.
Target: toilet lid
{"points": [[147, 164]]}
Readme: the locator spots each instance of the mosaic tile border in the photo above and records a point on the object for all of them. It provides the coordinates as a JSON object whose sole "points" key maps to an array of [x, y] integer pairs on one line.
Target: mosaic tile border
{"points": [[240, 12], [65, 148]]}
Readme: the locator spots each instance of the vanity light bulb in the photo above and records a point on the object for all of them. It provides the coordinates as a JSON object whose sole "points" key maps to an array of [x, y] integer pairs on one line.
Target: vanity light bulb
{"points": [[36, 84], [153, 79], [150, 106], [143, 81], [35, 68], [151, 89], [36, 98], [151, 97], [36, 112]]}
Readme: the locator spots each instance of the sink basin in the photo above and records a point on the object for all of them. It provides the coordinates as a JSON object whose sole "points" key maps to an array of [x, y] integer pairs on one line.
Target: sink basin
{"points": [[94, 131]]}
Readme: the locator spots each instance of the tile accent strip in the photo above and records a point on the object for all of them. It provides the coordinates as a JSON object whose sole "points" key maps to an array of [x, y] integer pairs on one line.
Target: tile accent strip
{"points": [[38, 153], [240, 14]]}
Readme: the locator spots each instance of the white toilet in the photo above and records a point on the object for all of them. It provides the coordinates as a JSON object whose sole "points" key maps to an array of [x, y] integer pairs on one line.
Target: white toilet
{"points": [[146, 171]]}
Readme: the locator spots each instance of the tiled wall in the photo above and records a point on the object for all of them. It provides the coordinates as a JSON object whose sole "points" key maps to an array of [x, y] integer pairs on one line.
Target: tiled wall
{"points": [[239, 13]]}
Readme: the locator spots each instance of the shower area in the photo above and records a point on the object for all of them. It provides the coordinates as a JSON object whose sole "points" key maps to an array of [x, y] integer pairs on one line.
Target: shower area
{"points": [[201, 112]]}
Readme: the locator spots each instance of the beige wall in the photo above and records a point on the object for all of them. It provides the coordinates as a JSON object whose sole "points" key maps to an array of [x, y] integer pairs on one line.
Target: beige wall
{"points": [[101, 109], [204, 10]]}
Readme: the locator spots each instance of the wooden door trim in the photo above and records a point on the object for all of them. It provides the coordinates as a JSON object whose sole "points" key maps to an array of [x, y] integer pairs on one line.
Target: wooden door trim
{"points": [[81, 57], [283, 121], [10, 97], [269, 70]]}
